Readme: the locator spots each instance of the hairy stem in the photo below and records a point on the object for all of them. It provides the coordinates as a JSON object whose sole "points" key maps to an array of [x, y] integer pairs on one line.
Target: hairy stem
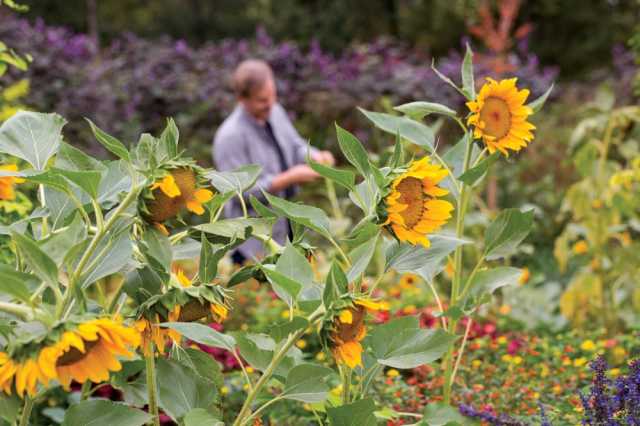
{"points": [[26, 411], [63, 307], [268, 372], [457, 273], [151, 382]]}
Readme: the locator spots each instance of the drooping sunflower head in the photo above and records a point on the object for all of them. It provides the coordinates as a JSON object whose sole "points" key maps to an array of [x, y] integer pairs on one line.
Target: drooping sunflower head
{"points": [[7, 183], [413, 207], [499, 116], [150, 331], [176, 190], [89, 351], [24, 373], [74, 351], [345, 328]]}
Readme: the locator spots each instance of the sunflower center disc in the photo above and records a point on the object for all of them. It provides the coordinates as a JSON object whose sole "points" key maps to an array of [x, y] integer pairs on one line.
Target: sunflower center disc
{"points": [[496, 117], [74, 355], [411, 194]]}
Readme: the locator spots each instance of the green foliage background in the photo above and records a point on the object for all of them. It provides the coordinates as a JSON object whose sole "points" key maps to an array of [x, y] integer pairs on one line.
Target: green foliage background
{"points": [[434, 25]]}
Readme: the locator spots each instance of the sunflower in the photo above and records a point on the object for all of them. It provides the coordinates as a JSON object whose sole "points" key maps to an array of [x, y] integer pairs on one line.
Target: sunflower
{"points": [[7, 183], [413, 208], [499, 116], [195, 309], [25, 374], [151, 331], [175, 191], [89, 351], [348, 330]]}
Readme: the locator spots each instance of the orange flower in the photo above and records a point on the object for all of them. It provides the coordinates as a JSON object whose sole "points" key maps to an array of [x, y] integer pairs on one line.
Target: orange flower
{"points": [[7, 183]]}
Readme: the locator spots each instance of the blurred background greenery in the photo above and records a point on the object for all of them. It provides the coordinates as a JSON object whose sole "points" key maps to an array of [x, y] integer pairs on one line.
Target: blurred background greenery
{"points": [[576, 35]]}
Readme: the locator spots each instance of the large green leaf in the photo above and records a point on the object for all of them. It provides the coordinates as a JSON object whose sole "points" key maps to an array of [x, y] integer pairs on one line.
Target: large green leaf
{"points": [[98, 412], [420, 110], [295, 266], [87, 180], [285, 287], [237, 227], [258, 350], [181, 391], [345, 178], [311, 217], [9, 407], [71, 158], [335, 285], [237, 180], [32, 136], [475, 174], [361, 257], [39, 262], [115, 180], [537, 104], [170, 137], [111, 255], [59, 242], [201, 417], [353, 151], [203, 334], [306, 383], [16, 284], [486, 282], [110, 142], [411, 130], [468, 85], [441, 414], [282, 330], [401, 343], [505, 233], [454, 157], [427, 263], [359, 413]]}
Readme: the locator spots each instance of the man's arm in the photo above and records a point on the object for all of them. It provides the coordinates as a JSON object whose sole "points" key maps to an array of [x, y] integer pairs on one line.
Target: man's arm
{"points": [[231, 152], [300, 146]]}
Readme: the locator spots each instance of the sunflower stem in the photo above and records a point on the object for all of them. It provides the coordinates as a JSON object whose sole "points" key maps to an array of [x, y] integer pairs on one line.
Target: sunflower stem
{"points": [[64, 307], [268, 372], [333, 199], [85, 391], [457, 273], [243, 204], [26, 411], [152, 388], [346, 388], [20, 311]]}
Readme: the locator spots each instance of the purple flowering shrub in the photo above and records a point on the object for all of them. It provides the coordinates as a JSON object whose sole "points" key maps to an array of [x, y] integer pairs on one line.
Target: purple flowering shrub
{"points": [[612, 402], [132, 84]]}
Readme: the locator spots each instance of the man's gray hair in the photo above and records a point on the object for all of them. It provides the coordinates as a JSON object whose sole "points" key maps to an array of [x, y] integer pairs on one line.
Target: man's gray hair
{"points": [[250, 75]]}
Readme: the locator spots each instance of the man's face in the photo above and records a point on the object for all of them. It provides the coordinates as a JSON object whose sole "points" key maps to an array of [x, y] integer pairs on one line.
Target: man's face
{"points": [[259, 103]]}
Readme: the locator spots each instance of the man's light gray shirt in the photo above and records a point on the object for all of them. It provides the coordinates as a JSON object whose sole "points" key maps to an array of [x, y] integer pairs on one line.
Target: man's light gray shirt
{"points": [[242, 140]]}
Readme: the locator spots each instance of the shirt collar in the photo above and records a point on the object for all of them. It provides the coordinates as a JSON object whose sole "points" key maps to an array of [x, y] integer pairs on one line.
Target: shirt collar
{"points": [[251, 119]]}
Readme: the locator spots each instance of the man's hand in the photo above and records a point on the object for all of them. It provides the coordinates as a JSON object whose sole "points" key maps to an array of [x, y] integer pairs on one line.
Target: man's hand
{"points": [[301, 173], [323, 157]]}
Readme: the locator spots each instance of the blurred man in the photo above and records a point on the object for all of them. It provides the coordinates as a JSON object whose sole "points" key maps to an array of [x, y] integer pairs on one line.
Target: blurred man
{"points": [[259, 131]]}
